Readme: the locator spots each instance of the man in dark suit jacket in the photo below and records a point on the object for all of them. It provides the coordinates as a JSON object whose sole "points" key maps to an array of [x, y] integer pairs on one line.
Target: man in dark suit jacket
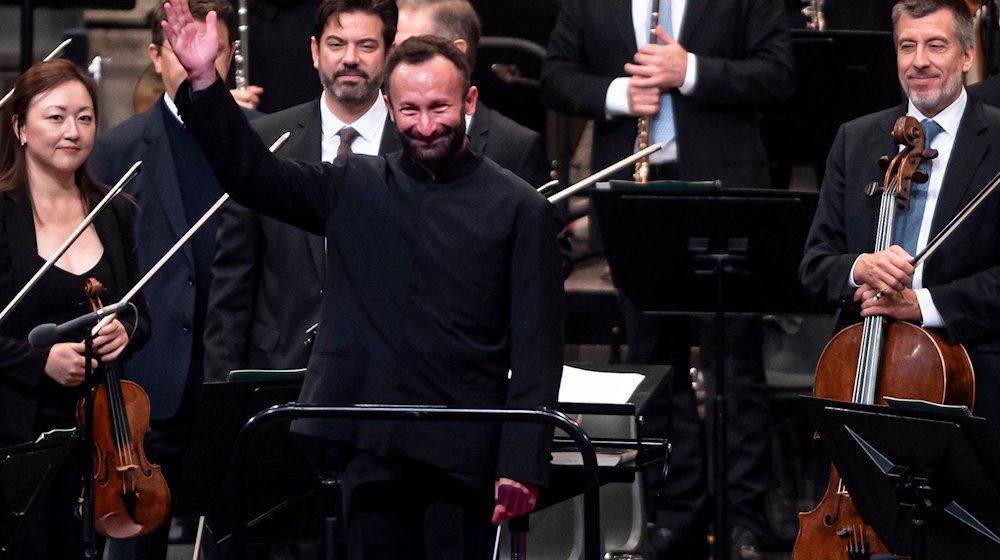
{"points": [[736, 52], [987, 91], [955, 289], [174, 188], [267, 276], [715, 62]]}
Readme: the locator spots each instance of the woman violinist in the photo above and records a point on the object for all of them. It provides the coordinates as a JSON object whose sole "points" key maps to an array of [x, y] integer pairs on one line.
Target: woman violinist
{"points": [[48, 130]]}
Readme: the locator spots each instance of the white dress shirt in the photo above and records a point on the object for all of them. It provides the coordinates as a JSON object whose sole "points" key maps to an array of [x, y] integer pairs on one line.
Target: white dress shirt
{"points": [[949, 120], [369, 126], [172, 107], [616, 99]]}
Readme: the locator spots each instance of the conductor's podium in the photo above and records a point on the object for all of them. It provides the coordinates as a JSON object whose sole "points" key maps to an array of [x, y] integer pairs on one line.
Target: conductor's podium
{"points": [[292, 502]]}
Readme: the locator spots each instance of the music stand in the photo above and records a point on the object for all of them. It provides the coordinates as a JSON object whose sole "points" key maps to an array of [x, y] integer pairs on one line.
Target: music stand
{"points": [[26, 470], [926, 482], [674, 249]]}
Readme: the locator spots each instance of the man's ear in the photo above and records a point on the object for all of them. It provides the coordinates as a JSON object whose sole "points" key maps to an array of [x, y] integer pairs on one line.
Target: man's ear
{"points": [[314, 49], [153, 50], [388, 104], [462, 45], [471, 97]]}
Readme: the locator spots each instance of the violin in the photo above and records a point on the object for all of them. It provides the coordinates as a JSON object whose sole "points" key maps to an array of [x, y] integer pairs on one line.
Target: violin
{"points": [[876, 358], [131, 497]]}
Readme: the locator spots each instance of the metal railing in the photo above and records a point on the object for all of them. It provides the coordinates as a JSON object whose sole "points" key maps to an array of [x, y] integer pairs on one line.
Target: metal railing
{"points": [[591, 492]]}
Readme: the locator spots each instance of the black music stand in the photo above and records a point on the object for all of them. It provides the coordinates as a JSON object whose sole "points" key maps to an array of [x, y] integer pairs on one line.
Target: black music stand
{"points": [[26, 470], [926, 482], [678, 250]]}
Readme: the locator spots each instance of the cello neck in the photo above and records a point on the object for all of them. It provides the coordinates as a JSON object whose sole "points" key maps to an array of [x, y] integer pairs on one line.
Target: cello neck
{"points": [[873, 332]]}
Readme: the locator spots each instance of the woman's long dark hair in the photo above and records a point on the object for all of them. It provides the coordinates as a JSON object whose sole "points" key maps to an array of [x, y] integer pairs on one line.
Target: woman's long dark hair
{"points": [[40, 78]]}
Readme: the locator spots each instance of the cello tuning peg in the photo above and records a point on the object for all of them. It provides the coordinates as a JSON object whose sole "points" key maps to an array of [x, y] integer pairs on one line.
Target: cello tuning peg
{"points": [[872, 188], [930, 153], [919, 176], [883, 162]]}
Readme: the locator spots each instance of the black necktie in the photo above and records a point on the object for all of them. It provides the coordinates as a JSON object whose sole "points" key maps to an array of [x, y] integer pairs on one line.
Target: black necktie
{"points": [[347, 137]]}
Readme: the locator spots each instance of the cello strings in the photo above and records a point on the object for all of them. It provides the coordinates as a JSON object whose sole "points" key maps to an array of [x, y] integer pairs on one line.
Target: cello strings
{"points": [[865, 378]]}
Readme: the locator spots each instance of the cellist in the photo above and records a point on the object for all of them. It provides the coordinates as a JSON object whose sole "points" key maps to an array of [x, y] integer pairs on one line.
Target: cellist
{"points": [[956, 290], [47, 134]]}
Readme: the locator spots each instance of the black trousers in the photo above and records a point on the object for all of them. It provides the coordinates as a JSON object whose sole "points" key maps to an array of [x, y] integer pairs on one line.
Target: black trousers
{"points": [[678, 504], [403, 510]]}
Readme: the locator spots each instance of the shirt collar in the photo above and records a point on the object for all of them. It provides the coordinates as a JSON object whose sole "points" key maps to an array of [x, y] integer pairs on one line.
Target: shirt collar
{"points": [[459, 165], [368, 125], [949, 118], [172, 107]]}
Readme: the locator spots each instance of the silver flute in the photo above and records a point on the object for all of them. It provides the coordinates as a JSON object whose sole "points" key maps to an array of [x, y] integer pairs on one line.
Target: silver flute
{"points": [[242, 56]]}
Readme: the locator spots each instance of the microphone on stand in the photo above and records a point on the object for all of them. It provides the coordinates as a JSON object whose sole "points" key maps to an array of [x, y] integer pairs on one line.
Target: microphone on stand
{"points": [[73, 330]]}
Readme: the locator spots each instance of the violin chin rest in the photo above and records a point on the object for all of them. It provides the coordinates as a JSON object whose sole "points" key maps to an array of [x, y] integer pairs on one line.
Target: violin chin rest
{"points": [[118, 525]]}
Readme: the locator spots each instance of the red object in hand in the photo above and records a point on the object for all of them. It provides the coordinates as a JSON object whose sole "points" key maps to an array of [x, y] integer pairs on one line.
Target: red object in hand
{"points": [[513, 499]]}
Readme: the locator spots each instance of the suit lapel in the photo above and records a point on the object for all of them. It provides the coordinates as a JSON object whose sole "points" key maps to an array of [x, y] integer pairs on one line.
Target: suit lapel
{"points": [[692, 13], [390, 138], [159, 172], [309, 147], [620, 13], [479, 131], [966, 155], [23, 252]]}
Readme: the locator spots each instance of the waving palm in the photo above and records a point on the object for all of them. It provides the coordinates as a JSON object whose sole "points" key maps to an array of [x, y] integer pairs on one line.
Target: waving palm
{"points": [[195, 46]]}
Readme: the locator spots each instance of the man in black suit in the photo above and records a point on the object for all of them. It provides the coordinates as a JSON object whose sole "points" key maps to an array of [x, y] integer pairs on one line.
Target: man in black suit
{"points": [[955, 289], [267, 276], [442, 288], [513, 146], [714, 62], [174, 188], [987, 91]]}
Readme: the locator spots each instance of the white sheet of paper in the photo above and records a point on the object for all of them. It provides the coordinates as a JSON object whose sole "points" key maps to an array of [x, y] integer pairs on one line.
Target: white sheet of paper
{"points": [[586, 386]]}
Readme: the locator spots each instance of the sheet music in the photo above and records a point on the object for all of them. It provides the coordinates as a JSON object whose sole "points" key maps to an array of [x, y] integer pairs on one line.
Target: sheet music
{"points": [[600, 387]]}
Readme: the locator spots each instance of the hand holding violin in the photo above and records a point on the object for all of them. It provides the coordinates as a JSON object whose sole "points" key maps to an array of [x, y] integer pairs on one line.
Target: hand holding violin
{"points": [[65, 363], [111, 340]]}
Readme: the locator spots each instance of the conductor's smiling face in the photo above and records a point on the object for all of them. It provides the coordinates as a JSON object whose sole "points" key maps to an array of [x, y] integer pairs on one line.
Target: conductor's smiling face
{"points": [[428, 103], [931, 60]]}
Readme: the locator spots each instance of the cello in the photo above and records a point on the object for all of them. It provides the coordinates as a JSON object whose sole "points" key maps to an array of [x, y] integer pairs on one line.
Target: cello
{"points": [[879, 357], [131, 497]]}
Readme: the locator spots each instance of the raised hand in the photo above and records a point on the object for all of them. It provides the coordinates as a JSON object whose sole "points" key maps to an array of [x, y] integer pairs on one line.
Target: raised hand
{"points": [[194, 45]]}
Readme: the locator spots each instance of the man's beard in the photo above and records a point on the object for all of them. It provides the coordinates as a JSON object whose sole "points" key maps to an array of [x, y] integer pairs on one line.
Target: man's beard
{"points": [[447, 141], [934, 101], [352, 94]]}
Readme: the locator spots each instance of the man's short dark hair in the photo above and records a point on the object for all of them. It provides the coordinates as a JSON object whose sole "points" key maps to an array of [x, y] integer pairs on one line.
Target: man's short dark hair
{"points": [[386, 11], [920, 8], [199, 9], [420, 49], [453, 19]]}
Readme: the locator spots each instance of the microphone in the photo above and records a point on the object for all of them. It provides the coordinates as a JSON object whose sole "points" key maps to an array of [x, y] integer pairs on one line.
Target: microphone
{"points": [[48, 334]]}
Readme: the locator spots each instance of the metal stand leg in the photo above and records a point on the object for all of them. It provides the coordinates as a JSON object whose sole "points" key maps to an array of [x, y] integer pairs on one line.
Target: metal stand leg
{"points": [[518, 537]]}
